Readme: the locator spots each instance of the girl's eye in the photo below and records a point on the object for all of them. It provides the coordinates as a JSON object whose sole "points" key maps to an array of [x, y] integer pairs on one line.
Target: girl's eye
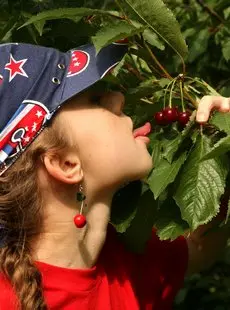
{"points": [[95, 99]]}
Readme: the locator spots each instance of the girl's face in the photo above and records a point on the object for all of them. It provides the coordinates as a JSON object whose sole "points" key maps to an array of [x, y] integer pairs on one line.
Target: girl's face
{"points": [[104, 140]]}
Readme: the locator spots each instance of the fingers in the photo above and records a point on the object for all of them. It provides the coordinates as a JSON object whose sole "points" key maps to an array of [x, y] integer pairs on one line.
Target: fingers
{"points": [[209, 103], [225, 105]]}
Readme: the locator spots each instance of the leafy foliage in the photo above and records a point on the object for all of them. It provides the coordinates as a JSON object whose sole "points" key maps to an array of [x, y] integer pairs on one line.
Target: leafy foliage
{"points": [[201, 185], [161, 20], [191, 168], [152, 80]]}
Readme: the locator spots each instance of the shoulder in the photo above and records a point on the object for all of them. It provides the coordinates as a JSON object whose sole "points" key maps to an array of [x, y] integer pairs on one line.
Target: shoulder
{"points": [[7, 296]]}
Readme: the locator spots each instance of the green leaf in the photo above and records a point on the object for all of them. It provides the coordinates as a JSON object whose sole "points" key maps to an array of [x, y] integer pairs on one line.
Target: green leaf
{"points": [[199, 45], [156, 147], [40, 26], [153, 39], [226, 50], [227, 13], [69, 13], [170, 147], [200, 185], [150, 36], [228, 213], [221, 121], [220, 148], [141, 227], [169, 223], [124, 205], [145, 88], [8, 28], [113, 32], [161, 20], [164, 174], [206, 86]]}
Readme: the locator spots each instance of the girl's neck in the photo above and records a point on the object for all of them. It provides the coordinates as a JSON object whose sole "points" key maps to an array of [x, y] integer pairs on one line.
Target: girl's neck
{"points": [[62, 244]]}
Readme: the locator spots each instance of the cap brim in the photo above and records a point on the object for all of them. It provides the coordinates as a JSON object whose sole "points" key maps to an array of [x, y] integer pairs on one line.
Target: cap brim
{"points": [[86, 67]]}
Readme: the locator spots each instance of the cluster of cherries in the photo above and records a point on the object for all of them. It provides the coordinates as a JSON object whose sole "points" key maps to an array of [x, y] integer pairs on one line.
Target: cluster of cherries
{"points": [[169, 115]]}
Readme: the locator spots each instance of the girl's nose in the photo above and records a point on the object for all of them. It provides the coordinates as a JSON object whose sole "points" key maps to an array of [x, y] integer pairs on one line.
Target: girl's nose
{"points": [[113, 101]]}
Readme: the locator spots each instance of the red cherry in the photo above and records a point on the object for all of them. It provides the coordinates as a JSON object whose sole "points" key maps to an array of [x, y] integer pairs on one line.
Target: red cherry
{"points": [[159, 118], [80, 221], [123, 41], [170, 114], [183, 117]]}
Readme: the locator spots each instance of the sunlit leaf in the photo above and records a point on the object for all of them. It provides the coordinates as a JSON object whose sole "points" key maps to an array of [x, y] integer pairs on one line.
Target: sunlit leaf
{"points": [[220, 148], [161, 20], [69, 13], [201, 185], [114, 32], [164, 174]]}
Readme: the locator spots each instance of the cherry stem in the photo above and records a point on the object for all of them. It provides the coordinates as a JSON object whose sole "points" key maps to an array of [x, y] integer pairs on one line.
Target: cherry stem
{"points": [[167, 75], [123, 12], [166, 90], [201, 129], [171, 91], [182, 95]]}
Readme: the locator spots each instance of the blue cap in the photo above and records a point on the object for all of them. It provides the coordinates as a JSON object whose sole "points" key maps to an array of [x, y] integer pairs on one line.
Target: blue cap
{"points": [[34, 83]]}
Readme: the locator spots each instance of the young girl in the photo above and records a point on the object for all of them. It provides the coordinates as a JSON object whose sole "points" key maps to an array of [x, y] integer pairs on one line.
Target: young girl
{"points": [[57, 249]]}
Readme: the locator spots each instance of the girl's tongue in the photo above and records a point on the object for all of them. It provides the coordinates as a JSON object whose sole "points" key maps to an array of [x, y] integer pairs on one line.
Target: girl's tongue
{"points": [[142, 131]]}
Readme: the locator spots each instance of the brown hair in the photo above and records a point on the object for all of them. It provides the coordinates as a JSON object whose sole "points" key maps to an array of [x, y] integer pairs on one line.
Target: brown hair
{"points": [[21, 214]]}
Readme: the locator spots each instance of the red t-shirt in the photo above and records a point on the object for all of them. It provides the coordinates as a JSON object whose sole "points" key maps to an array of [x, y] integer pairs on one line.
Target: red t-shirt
{"points": [[120, 281]]}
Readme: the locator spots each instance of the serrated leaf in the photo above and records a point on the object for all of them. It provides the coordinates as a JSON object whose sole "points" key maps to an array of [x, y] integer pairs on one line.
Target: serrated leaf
{"points": [[69, 13], [164, 174], [221, 121], [226, 50], [220, 148], [156, 147], [169, 229], [228, 213], [113, 32], [169, 223], [152, 38], [201, 185], [161, 20], [170, 147]]}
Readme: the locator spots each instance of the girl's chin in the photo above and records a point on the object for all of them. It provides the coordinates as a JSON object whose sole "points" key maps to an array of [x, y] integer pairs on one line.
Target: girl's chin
{"points": [[142, 175]]}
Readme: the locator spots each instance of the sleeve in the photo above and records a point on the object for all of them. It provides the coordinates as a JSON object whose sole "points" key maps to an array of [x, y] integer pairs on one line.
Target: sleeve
{"points": [[162, 270]]}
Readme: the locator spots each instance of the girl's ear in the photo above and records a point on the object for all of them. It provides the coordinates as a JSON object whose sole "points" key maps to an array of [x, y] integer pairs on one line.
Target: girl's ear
{"points": [[64, 168]]}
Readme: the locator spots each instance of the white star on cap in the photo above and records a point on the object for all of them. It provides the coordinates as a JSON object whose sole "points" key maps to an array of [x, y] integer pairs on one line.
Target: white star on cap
{"points": [[34, 127], [27, 139], [39, 114]]}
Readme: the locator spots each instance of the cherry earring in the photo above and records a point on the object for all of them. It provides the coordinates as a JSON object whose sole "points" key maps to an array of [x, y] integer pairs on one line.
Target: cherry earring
{"points": [[80, 219]]}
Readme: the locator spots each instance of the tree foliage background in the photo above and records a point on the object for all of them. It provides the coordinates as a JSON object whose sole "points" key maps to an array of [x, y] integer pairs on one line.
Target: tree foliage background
{"points": [[150, 77]]}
